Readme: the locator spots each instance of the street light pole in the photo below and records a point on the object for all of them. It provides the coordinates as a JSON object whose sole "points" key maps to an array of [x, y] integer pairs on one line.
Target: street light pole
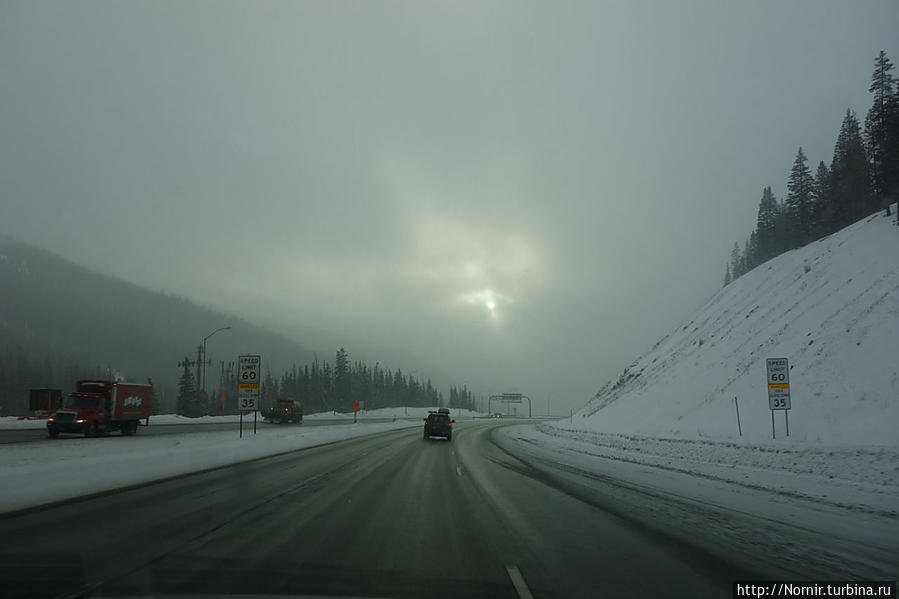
{"points": [[203, 382]]}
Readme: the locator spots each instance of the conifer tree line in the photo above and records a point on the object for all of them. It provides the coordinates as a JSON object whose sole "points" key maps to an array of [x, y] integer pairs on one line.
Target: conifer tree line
{"points": [[320, 386], [862, 178], [326, 387], [20, 372], [323, 386]]}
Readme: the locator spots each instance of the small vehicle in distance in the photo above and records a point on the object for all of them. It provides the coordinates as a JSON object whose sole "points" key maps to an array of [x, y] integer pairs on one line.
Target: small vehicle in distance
{"points": [[439, 424], [285, 410]]}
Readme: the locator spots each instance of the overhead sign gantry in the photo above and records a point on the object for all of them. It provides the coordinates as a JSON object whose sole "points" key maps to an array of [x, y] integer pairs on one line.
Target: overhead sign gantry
{"points": [[508, 398]]}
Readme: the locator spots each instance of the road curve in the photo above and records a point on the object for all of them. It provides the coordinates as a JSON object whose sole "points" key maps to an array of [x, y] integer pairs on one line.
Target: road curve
{"points": [[385, 515]]}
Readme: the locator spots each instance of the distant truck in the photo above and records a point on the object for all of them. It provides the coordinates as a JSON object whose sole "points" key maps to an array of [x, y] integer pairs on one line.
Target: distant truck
{"points": [[285, 410], [43, 402], [98, 407]]}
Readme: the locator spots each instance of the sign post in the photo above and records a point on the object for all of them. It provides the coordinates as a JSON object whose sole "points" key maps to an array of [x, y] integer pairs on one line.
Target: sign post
{"points": [[778, 389], [356, 406], [248, 386]]}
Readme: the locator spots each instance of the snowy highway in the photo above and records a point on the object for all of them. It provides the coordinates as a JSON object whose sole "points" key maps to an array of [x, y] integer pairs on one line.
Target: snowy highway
{"points": [[381, 515], [507, 509], [36, 430]]}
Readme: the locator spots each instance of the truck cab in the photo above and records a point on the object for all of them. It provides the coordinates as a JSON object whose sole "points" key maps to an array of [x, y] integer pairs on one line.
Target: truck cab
{"points": [[79, 413]]}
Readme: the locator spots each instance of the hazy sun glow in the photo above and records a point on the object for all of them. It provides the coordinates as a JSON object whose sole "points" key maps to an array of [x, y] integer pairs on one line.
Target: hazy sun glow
{"points": [[486, 298]]}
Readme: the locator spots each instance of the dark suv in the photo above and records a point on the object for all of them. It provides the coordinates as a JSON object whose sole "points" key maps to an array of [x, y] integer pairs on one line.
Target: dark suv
{"points": [[439, 424]]}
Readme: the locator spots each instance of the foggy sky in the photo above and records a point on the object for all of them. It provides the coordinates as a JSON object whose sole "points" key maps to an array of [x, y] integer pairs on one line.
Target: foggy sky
{"points": [[377, 174]]}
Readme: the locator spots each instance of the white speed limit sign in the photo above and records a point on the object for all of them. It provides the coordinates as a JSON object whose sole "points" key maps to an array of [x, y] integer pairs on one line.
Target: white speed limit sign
{"points": [[778, 383], [248, 382]]}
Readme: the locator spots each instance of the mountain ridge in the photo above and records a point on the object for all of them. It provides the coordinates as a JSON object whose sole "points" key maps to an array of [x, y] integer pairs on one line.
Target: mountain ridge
{"points": [[56, 310]]}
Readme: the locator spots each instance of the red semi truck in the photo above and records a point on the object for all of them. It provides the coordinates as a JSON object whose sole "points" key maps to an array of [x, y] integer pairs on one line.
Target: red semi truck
{"points": [[99, 407]]}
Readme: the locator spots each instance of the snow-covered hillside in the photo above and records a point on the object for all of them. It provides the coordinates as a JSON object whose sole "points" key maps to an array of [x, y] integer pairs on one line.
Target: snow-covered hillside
{"points": [[831, 307]]}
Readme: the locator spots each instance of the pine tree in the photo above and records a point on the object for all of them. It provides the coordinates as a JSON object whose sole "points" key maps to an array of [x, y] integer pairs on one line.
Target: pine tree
{"points": [[877, 138], [269, 395], [736, 261], [342, 387], [850, 187], [781, 229], [799, 201], [398, 388], [766, 226], [187, 393], [746, 259], [891, 154], [822, 200], [727, 277], [752, 259]]}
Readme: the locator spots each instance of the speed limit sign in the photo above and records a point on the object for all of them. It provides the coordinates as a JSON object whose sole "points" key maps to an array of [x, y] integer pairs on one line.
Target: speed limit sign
{"points": [[248, 382], [778, 383]]}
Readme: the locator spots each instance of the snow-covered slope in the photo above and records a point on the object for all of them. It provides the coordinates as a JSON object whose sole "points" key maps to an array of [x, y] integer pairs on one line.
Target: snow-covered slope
{"points": [[831, 307]]}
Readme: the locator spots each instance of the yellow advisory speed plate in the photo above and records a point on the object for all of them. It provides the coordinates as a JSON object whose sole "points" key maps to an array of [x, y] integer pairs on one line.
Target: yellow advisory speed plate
{"points": [[247, 385], [778, 385]]}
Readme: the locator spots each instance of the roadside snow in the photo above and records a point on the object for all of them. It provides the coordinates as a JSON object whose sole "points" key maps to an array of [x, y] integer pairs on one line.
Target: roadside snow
{"points": [[401, 412], [32, 474], [831, 308], [795, 512], [862, 479], [13, 423]]}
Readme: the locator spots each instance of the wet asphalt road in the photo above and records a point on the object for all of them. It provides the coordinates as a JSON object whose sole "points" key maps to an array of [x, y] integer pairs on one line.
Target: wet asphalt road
{"points": [[40, 434], [385, 515]]}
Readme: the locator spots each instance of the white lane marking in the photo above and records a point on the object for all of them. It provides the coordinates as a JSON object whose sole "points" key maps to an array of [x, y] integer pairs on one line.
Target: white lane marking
{"points": [[459, 470], [518, 582]]}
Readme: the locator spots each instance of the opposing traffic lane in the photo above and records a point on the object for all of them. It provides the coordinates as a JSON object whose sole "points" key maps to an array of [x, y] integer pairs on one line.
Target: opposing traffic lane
{"points": [[8, 436], [386, 515]]}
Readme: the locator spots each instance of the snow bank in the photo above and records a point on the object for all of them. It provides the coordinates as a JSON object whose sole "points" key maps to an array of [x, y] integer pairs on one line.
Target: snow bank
{"points": [[33, 474], [393, 413], [831, 308], [859, 479], [13, 423], [808, 512]]}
